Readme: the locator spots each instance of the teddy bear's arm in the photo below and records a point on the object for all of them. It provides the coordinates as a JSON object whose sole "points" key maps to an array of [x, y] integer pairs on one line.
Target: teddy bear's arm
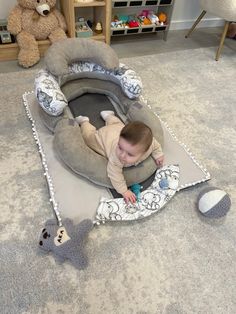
{"points": [[60, 19], [14, 20]]}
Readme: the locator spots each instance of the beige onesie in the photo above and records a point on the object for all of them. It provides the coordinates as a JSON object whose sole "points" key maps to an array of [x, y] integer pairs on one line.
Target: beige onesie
{"points": [[104, 141]]}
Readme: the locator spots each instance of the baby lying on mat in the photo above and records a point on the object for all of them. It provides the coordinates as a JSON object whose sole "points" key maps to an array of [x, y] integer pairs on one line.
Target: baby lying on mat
{"points": [[123, 146]]}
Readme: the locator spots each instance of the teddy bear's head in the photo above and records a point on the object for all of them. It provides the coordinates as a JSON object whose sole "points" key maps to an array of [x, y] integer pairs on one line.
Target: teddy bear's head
{"points": [[43, 7]]}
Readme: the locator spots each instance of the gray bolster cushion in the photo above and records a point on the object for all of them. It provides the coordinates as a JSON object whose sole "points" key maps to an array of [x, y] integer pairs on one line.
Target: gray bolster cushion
{"points": [[71, 148], [64, 52]]}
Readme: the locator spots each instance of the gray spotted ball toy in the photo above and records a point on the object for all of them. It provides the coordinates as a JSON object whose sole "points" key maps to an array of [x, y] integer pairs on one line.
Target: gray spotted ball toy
{"points": [[213, 202]]}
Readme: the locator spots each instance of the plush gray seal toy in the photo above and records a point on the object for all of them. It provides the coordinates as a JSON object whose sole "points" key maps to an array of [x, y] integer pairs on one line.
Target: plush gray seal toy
{"points": [[66, 241]]}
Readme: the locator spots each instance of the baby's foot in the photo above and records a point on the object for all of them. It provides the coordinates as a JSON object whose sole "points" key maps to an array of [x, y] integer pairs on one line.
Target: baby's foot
{"points": [[81, 119], [106, 113]]}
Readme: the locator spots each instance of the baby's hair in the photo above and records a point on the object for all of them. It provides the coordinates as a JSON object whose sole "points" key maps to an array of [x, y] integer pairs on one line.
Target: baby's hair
{"points": [[136, 132]]}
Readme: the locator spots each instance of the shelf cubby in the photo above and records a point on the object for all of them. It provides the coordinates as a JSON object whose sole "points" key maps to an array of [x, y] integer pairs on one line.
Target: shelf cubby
{"points": [[95, 11]]}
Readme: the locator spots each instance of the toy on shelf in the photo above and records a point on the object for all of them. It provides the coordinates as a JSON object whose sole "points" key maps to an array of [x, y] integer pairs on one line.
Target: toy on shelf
{"points": [[153, 18], [162, 18], [116, 24], [5, 36], [124, 18], [144, 13], [143, 17], [148, 17], [146, 21], [82, 28], [98, 28], [119, 21], [133, 21]]}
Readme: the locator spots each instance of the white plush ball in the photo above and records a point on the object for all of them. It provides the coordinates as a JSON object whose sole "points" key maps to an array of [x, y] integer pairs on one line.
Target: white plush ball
{"points": [[213, 202]]}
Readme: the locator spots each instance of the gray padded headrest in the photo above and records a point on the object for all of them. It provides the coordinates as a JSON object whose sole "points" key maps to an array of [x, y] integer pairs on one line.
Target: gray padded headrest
{"points": [[65, 52]]}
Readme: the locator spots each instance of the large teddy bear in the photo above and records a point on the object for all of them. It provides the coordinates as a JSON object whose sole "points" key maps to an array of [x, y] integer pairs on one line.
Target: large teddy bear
{"points": [[32, 20]]}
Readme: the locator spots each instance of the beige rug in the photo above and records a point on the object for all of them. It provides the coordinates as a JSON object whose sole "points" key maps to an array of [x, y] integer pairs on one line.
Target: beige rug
{"points": [[175, 262]]}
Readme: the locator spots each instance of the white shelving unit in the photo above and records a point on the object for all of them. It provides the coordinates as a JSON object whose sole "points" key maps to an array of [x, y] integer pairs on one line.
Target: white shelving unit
{"points": [[134, 7]]}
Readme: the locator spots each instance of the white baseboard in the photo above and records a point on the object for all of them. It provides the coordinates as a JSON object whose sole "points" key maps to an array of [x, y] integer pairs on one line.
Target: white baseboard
{"points": [[187, 24]]}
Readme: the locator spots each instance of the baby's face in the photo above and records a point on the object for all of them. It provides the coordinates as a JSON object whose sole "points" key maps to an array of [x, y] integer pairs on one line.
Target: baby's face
{"points": [[128, 153]]}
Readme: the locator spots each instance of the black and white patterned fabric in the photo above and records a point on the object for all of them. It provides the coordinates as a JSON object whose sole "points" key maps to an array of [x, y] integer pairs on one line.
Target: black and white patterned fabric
{"points": [[49, 94], [53, 101], [129, 81], [151, 200]]}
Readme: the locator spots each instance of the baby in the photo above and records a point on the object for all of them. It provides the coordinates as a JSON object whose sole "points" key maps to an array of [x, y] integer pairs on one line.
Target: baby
{"points": [[123, 146]]}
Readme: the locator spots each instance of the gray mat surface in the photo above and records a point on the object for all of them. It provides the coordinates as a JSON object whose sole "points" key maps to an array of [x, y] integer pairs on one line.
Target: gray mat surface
{"points": [[78, 198]]}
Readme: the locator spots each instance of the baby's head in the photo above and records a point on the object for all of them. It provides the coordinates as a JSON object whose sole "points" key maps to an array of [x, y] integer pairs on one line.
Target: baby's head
{"points": [[135, 139]]}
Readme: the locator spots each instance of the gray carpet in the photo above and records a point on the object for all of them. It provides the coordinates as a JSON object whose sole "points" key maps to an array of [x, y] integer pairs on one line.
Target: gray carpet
{"points": [[175, 262]]}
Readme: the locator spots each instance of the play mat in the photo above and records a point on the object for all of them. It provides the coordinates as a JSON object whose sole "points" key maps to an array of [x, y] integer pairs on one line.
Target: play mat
{"points": [[78, 186]]}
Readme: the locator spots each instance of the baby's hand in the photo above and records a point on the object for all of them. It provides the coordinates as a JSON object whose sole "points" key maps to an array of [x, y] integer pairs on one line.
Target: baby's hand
{"points": [[159, 161], [129, 197]]}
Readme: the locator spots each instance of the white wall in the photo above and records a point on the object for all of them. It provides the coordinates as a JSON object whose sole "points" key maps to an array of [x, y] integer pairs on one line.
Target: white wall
{"points": [[5, 7], [184, 14]]}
